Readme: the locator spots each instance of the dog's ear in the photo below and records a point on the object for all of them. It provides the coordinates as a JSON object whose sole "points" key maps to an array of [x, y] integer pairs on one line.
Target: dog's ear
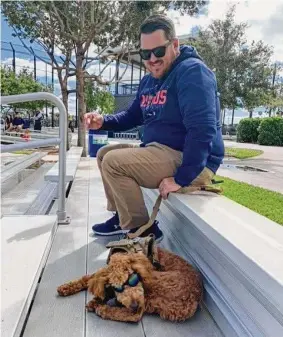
{"points": [[141, 265], [96, 285]]}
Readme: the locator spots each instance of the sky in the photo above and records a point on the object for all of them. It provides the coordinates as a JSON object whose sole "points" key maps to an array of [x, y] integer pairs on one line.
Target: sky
{"points": [[263, 16]]}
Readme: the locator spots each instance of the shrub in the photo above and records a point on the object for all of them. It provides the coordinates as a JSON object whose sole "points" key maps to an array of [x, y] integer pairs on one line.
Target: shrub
{"points": [[247, 130], [271, 131]]}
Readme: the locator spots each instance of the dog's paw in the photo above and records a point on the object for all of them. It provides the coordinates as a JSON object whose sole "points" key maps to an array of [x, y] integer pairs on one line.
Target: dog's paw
{"points": [[63, 290], [93, 304], [98, 311]]}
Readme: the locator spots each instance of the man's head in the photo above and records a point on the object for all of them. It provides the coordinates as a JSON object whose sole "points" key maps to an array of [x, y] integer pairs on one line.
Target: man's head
{"points": [[159, 46]]}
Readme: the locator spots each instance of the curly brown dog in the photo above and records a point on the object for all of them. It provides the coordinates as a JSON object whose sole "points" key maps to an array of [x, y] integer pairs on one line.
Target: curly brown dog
{"points": [[130, 286]]}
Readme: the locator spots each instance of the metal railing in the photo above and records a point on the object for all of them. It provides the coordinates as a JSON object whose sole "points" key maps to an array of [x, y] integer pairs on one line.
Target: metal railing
{"points": [[62, 141]]}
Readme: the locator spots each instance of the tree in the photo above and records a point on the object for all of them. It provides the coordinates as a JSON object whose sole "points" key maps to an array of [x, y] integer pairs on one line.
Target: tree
{"points": [[76, 26], [98, 98], [242, 71], [22, 83], [220, 45], [255, 76], [275, 101]]}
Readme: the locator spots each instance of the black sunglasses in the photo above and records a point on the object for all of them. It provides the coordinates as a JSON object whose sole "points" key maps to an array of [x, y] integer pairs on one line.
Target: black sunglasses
{"points": [[157, 52]]}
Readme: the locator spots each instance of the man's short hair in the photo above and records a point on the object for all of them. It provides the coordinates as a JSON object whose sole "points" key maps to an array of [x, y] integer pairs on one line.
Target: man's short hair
{"points": [[156, 22]]}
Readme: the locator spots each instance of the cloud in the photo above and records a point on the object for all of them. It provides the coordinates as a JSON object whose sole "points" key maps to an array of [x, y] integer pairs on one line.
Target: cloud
{"points": [[42, 69], [264, 19], [92, 51], [57, 51], [109, 72]]}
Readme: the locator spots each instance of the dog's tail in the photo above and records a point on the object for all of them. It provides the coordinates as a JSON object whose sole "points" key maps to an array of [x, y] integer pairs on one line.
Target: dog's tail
{"points": [[74, 287]]}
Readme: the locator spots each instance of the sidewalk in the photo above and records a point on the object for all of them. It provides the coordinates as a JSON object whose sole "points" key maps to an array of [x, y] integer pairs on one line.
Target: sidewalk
{"points": [[271, 160]]}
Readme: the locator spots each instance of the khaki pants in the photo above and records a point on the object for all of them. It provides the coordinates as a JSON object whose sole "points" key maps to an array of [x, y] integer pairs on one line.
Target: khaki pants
{"points": [[127, 167]]}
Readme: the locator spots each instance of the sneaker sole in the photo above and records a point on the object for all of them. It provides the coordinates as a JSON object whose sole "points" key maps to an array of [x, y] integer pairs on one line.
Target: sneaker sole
{"points": [[111, 233]]}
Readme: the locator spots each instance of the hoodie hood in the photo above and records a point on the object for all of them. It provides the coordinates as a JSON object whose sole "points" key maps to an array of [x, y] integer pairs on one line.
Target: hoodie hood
{"points": [[185, 53]]}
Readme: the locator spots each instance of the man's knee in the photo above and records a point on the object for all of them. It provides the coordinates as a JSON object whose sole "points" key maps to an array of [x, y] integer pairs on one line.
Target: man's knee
{"points": [[101, 154], [112, 161], [105, 150]]}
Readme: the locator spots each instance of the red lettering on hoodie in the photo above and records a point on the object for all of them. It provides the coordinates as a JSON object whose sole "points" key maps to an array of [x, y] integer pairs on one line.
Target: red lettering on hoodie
{"points": [[149, 100], [162, 97], [159, 99], [143, 102], [156, 98]]}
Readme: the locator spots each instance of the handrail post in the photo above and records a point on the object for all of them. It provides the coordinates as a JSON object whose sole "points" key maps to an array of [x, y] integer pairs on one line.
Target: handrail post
{"points": [[63, 119]]}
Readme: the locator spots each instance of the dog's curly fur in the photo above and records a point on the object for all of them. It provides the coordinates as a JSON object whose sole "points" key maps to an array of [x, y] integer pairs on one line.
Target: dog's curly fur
{"points": [[173, 293]]}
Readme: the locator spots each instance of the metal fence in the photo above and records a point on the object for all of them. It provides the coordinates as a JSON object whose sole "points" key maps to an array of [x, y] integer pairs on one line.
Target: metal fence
{"points": [[38, 62], [62, 141]]}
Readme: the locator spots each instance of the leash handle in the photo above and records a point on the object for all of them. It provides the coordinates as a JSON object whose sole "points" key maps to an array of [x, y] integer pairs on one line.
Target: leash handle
{"points": [[207, 188]]}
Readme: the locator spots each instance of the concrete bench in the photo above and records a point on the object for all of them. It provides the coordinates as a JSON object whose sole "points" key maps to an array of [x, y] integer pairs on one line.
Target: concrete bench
{"points": [[25, 245], [239, 253], [72, 161], [35, 135], [18, 199], [10, 170], [44, 199], [11, 139]]}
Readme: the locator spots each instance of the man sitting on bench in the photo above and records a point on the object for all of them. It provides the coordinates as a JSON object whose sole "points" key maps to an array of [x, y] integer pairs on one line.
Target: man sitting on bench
{"points": [[178, 105], [17, 123]]}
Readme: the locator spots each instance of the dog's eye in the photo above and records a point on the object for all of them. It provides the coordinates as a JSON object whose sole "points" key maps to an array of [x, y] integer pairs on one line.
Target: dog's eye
{"points": [[133, 280], [119, 289]]}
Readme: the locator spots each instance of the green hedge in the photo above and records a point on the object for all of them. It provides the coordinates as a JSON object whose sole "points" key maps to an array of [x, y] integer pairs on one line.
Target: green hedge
{"points": [[271, 131], [247, 130], [264, 131]]}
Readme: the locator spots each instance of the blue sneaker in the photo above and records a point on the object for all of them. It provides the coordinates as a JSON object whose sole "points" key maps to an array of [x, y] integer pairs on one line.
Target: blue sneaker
{"points": [[154, 229], [109, 227]]}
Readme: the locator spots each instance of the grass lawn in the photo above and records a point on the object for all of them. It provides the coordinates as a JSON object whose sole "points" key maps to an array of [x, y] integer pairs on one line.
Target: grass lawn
{"points": [[23, 152], [241, 153], [260, 200]]}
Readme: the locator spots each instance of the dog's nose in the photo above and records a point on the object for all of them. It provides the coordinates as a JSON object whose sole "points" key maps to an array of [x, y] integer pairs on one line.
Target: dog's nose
{"points": [[134, 305]]}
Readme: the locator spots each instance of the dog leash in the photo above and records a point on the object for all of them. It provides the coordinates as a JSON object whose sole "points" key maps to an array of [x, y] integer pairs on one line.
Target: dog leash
{"points": [[183, 190]]}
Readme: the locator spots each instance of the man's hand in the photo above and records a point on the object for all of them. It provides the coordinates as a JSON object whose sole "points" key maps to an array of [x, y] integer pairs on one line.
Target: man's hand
{"points": [[93, 120], [168, 185]]}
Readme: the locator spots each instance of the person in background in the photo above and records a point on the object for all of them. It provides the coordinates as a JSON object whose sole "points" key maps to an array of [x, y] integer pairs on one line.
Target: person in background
{"points": [[8, 122], [71, 123], [17, 123], [38, 120]]}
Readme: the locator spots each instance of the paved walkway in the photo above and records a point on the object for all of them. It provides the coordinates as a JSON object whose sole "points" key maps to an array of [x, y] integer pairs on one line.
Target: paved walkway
{"points": [[271, 160]]}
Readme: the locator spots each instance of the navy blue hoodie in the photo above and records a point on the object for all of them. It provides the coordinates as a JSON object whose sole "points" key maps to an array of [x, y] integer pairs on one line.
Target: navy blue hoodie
{"points": [[180, 110]]}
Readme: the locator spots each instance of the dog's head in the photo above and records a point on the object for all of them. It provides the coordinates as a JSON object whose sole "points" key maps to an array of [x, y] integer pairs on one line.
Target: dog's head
{"points": [[123, 281]]}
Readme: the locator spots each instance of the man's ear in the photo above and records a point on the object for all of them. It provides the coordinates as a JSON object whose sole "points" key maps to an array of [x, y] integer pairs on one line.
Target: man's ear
{"points": [[176, 44]]}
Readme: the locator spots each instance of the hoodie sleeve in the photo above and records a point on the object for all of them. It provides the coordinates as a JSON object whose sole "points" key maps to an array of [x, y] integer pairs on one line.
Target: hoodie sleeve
{"points": [[125, 120], [196, 88]]}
